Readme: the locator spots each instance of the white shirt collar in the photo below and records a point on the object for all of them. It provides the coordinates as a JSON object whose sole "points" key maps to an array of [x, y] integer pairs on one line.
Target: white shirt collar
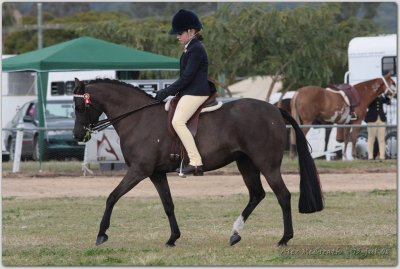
{"points": [[187, 44]]}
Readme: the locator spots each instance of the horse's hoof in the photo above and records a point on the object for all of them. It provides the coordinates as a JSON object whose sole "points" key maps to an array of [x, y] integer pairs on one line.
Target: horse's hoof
{"points": [[101, 239], [170, 245], [283, 242], [235, 238]]}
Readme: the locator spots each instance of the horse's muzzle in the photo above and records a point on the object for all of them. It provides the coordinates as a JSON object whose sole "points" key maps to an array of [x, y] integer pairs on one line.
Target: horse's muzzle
{"points": [[83, 135]]}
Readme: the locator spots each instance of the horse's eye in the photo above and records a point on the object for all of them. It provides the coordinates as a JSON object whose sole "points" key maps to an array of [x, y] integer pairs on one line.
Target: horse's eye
{"points": [[78, 106], [79, 110]]}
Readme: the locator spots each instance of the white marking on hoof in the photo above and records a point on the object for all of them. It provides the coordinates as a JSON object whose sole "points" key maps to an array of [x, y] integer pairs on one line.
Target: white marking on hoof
{"points": [[238, 225]]}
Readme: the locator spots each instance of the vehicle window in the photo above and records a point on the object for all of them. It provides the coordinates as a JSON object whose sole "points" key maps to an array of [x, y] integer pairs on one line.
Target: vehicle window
{"points": [[389, 64], [69, 87], [31, 110], [57, 88], [59, 110], [20, 113]]}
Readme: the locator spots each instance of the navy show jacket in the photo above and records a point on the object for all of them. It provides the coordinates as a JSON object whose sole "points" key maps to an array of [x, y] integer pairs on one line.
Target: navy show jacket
{"points": [[193, 76], [375, 109]]}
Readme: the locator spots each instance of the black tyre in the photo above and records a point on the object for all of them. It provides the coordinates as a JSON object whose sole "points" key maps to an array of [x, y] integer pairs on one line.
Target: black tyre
{"points": [[362, 147], [36, 150], [391, 145], [11, 148]]}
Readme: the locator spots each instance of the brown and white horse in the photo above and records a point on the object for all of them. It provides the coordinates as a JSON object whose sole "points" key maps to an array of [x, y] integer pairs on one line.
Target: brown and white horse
{"points": [[315, 103]]}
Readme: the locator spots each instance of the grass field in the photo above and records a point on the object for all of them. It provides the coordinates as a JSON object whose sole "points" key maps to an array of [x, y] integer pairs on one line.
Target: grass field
{"points": [[354, 229]]}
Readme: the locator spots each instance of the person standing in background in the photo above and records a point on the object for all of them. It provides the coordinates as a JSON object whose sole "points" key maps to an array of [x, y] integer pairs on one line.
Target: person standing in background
{"points": [[376, 116]]}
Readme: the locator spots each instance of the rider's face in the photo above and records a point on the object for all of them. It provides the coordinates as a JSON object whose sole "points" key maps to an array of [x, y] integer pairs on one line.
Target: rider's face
{"points": [[185, 36]]}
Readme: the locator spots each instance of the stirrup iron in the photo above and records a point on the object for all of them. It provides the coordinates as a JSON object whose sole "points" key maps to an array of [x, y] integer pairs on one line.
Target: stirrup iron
{"points": [[182, 175]]}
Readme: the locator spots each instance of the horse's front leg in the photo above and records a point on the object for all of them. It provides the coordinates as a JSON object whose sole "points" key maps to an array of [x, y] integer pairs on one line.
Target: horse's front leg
{"points": [[354, 135], [130, 180], [160, 182]]}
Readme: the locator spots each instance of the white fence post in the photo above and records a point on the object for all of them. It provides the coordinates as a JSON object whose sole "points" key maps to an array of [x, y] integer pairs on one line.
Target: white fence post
{"points": [[17, 150]]}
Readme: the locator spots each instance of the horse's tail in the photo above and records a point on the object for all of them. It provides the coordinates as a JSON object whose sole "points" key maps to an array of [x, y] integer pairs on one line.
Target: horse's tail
{"points": [[311, 198], [295, 115]]}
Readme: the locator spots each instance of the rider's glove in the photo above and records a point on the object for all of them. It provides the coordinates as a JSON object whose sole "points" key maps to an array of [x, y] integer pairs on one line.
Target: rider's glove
{"points": [[162, 94]]}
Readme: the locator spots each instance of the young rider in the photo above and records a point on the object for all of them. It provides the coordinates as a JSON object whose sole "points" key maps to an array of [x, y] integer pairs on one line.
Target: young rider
{"points": [[192, 84]]}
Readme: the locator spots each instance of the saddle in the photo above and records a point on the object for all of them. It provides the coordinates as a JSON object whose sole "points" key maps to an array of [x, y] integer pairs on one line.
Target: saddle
{"points": [[353, 98], [211, 104], [350, 96]]}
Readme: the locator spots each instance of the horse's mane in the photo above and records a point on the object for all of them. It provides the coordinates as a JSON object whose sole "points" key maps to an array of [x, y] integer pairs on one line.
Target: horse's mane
{"points": [[366, 82], [120, 83]]}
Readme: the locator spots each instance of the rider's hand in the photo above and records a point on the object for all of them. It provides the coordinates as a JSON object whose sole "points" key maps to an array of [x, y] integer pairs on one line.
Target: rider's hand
{"points": [[161, 95]]}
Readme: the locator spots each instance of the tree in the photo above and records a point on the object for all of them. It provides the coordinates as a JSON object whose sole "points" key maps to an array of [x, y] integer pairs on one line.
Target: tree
{"points": [[354, 9], [227, 44], [302, 45], [8, 18], [165, 10]]}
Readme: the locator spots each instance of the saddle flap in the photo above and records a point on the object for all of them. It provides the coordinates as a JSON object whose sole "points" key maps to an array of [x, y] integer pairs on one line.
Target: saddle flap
{"points": [[193, 122]]}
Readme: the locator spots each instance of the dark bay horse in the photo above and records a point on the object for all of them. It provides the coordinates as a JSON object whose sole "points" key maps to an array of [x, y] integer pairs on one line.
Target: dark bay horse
{"points": [[312, 103], [248, 131]]}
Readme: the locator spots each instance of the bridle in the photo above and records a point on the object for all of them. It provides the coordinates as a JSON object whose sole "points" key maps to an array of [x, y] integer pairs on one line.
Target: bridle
{"points": [[89, 125], [389, 89]]}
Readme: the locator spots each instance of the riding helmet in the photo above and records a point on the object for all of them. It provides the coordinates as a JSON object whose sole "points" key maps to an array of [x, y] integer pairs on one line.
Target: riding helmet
{"points": [[184, 20]]}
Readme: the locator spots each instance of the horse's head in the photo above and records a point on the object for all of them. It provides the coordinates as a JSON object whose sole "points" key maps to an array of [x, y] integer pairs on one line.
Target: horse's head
{"points": [[389, 86], [85, 114]]}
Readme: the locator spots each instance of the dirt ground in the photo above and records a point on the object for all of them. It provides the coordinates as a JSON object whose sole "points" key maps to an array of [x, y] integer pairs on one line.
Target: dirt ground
{"points": [[208, 185]]}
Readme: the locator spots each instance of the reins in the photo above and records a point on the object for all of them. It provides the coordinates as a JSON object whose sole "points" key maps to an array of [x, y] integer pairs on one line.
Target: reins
{"points": [[103, 124]]}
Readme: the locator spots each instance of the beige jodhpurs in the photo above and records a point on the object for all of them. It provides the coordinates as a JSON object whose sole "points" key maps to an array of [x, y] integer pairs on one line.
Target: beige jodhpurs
{"points": [[376, 132], [187, 106]]}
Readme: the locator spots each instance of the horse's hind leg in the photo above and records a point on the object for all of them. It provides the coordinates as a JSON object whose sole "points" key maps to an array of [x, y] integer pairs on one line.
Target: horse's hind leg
{"points": [[251, 176], [130, 180], [161, 184], [346, 134], [283, 195]]}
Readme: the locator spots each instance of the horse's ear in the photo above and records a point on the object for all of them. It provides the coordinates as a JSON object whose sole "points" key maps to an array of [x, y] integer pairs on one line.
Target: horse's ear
{"points": [[388, 75], [79, 86]]}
